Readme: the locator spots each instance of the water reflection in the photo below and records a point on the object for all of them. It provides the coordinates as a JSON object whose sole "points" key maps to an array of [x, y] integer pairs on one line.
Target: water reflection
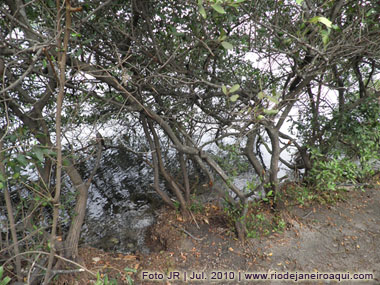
{"points": [[120, 203]]}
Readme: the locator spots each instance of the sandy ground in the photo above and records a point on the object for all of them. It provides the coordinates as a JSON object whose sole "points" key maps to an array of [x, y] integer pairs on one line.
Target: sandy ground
{"points": [[319, 239], [340, 238]]}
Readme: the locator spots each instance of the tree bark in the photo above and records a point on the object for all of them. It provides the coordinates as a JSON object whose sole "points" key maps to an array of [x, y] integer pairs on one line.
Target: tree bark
{"points": [[72, 239], [275, 158], [156, 169]]}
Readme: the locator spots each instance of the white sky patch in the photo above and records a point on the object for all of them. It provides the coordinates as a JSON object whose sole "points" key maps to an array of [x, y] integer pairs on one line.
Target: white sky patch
{"points": [[254, 58]]}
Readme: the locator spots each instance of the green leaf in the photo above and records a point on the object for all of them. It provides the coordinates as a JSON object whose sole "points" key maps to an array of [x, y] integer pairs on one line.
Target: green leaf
{"points": [[1, 185], [233, 98], [44, 63], [314, 20], [235, 88], [78, 52], [261, 95], [326, 22], [218, 8], [127, 269], [48, 151], [66, 162], [6, 279], [273, 99], [51, 3], [270, 112], [21, 158], [287, 41], [221, 38], [202, 11], [322, 20], [39, 154], [76, 35], [227, 45], [224, 90], [12, 138], [325, 36], [299, 2]]}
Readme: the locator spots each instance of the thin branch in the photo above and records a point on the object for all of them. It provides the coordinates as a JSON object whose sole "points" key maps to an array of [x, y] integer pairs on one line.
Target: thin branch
{"points": [[56, 255], [96, 10], [27, 71]]}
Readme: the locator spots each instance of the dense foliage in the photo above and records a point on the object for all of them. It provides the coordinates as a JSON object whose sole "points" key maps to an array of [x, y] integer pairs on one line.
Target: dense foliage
{"points": [[208, 85]]}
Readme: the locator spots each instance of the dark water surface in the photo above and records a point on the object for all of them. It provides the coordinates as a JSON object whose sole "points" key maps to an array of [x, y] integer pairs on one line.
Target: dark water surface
{"points": [[121, 203]]}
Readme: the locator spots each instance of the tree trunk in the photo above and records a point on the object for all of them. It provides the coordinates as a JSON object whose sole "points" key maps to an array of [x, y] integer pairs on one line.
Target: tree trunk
{"points": [[156, 169], [72, 239], [248, 151], [273, 134], [172, 183], [185, 176]]}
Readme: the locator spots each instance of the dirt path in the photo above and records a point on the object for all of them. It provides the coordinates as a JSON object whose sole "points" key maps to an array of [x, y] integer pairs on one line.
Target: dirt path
{"points": [[344, 237], [341, 238]]}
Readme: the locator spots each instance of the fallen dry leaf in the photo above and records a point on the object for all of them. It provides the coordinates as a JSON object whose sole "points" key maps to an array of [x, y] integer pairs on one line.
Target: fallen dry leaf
{"points": [[96, 259], [130, 257]]}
